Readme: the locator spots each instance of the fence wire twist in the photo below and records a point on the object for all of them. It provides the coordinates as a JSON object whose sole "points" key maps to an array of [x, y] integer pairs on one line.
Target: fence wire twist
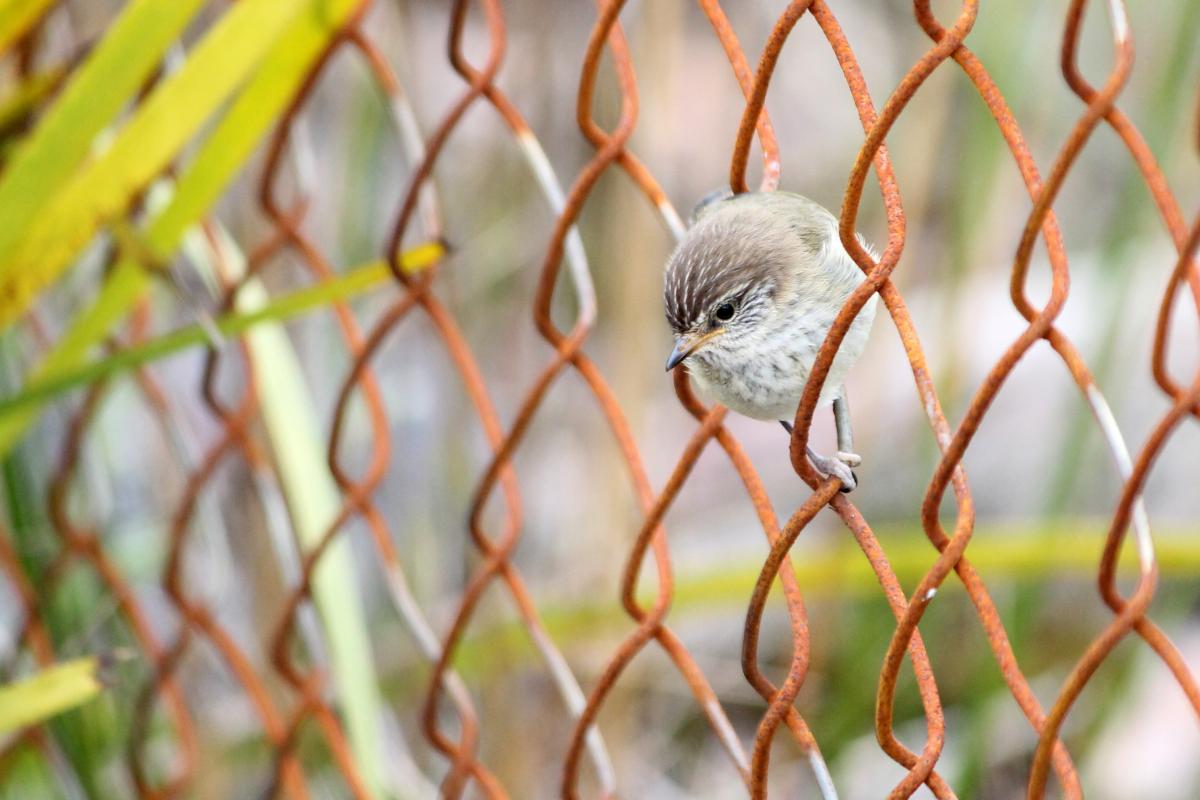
{"points": [[311, 706]]}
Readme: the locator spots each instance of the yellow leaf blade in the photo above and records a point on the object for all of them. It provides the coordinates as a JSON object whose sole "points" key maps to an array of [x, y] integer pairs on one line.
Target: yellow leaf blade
{"points": [[112, 73], [17, 17], [168, 119], [49, 692]]}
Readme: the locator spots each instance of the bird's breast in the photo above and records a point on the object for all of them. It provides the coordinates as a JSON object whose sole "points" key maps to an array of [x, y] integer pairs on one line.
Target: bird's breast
{"points": [[764, 376]]}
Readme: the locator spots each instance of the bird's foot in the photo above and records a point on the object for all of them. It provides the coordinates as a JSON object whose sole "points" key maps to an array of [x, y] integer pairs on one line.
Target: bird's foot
{"points": [[838, 467]]}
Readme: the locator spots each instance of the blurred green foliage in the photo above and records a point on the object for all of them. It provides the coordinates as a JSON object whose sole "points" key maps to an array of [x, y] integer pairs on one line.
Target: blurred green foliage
{"points": [[142, 134]]}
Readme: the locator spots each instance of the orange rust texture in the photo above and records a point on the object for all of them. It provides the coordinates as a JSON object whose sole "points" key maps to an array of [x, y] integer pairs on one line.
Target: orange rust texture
{"points": [[309, 704]]}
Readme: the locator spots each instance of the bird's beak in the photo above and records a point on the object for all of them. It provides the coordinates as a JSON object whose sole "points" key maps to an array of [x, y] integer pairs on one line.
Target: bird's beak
{"points": [[686, 345]]}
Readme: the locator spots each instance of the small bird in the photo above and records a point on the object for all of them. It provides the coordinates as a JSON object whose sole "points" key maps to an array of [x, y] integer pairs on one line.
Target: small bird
{"points": [[750, 292]]}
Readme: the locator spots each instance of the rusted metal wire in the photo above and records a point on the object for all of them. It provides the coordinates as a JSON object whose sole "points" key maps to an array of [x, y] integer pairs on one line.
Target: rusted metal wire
{"points": [[309, 703]]}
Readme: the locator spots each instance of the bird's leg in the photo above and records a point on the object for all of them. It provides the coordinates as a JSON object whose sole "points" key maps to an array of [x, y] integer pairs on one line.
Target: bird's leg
{"points": [[829, 467], [845, 436]]}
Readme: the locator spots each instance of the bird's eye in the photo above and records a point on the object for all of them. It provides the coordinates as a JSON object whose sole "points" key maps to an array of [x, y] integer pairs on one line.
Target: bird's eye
{"points": [[725, 312]]}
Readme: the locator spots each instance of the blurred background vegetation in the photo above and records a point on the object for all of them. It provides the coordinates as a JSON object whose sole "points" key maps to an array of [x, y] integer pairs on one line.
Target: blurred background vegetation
{"points": [[94, 180]]}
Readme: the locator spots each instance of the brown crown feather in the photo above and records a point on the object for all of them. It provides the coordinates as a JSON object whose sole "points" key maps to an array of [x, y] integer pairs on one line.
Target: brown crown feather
{"points": [[740, 242]]}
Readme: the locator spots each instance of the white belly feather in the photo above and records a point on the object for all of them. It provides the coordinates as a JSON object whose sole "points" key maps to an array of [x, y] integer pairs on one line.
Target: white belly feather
{"points": [[767, 379]]}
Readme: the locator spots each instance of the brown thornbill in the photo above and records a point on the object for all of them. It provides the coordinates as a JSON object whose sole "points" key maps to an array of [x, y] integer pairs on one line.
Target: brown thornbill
{"points": [[750, 293]]}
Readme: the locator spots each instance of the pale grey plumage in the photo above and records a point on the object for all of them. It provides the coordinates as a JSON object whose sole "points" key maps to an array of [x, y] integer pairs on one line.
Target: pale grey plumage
{"points": [[777, 259]]}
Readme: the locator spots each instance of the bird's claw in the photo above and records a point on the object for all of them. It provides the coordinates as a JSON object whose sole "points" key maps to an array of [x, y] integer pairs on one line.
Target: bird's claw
{"points": [[837, 468]]}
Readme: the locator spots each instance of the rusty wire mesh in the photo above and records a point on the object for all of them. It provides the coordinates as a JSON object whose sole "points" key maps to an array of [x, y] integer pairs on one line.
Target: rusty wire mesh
{"points": [[450, 720]]}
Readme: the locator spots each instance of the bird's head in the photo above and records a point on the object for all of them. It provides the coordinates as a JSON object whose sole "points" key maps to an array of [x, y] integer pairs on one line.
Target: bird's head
{"points": [[734, 271]]}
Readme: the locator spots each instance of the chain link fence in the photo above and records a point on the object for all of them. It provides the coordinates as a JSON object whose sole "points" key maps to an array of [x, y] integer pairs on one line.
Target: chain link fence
{"points": [[291, 682]]}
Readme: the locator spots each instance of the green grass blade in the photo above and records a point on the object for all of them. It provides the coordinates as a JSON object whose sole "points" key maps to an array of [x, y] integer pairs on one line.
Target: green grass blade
{"points": [[103, 84], [168, 119], [49, 692], [313, 500], [122, 289], [313, 503], [354, 282]]}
